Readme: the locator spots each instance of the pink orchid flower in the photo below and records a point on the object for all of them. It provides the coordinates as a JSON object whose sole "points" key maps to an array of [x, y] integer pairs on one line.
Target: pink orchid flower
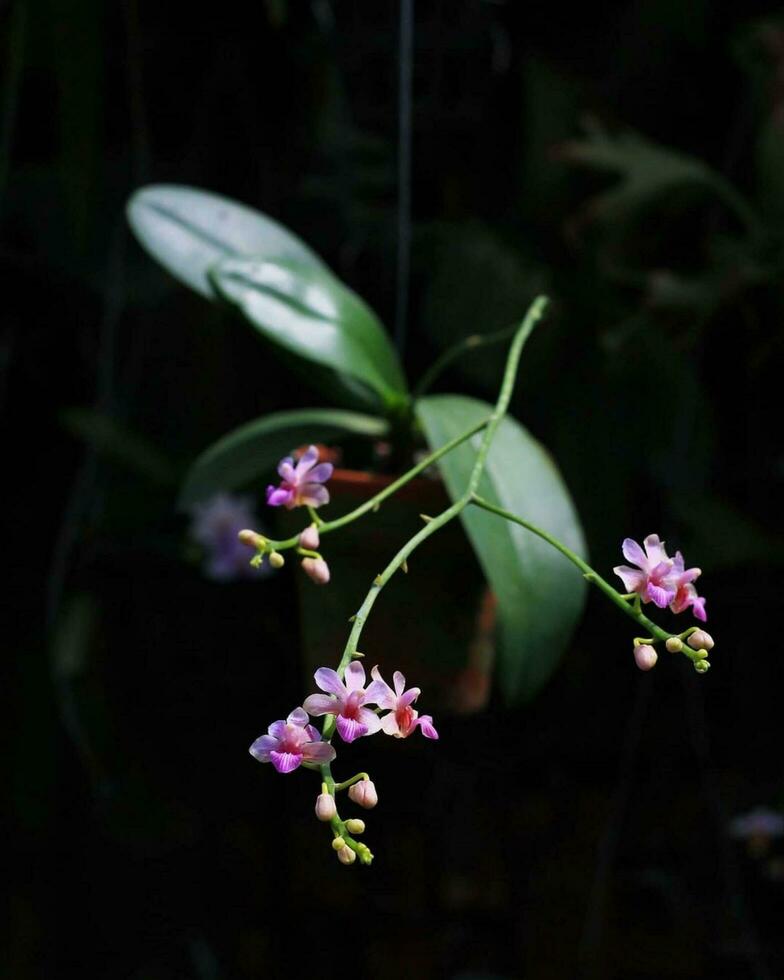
{"points": [[301, 484], [291, 742], [402, 719], [651, 577], [682, 580], [345, 700]]}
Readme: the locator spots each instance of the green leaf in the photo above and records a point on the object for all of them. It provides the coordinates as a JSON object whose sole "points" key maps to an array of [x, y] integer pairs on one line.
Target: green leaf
{"points": [[310, 313], [252, 451], [189, 231], [540, 593]]}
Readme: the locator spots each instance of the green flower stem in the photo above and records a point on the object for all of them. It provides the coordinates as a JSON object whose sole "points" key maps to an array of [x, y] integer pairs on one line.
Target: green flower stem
{"points": [[350, 782], [534, 315], [621, 601], [324, 527]]}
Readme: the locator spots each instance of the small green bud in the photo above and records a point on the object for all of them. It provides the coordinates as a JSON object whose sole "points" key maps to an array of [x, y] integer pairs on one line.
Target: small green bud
{"points": [[337, 843], [699, 655], [355, 826], [674, 644], [252, 539], [276, 559], [702, 666]]}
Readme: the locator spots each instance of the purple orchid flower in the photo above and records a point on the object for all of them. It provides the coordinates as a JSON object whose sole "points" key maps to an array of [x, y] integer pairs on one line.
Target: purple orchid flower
{"points": [[301, 484], [346, 700], [651, 577], [402, 719], [289, 743], [682, 580], [216, 524]]}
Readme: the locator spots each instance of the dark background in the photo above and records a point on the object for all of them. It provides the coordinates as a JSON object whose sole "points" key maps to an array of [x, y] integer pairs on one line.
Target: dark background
{"points": [[583, 835]]}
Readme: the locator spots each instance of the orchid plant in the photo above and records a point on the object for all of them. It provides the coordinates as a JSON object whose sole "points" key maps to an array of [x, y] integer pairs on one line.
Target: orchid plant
{"points": [[503, 486]]}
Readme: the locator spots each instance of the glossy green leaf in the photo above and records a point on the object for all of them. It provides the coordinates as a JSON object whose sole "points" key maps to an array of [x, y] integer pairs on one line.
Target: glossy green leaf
{"points": [[189, 231], [310, 313], [252, 451], [540, 593]]}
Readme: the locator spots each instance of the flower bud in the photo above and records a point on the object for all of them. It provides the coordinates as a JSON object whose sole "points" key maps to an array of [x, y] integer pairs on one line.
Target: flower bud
{"points": [[276, 559], [674, 644], [252, 539], [702, 666], [337, 843], [700, 640], [309, 538], [364, 793], [355, 826], [325, 806], [645, 656], [346, 855], [316, 569]]}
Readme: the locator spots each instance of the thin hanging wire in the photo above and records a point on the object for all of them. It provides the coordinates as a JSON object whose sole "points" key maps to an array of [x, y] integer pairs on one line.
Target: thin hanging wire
{"points": [[405, 85]]}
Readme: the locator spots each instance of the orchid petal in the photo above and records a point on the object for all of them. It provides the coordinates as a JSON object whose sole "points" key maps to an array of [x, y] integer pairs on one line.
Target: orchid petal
{"points": [[320, 752], [633, 580], [698, 609], [657, 595], [314, 494], [279, 496], [286, 470], [354, 676], [425, 723], [633, 552], [327, 679], [320, 473], [409, 697], [307, 461], [369, 721], [654, 548], [277, 729], [399, 680], [312, 733], [349, 729], [389, 724], [262, 747], [298, 717], [285, 761], [321, 704]]}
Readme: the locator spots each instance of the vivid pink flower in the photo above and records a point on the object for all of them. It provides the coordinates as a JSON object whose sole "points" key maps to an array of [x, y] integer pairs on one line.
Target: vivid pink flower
{"points": [[682, 579], [650, 578], [402, 719], [290, 742], [301, 484], [345, 700]]}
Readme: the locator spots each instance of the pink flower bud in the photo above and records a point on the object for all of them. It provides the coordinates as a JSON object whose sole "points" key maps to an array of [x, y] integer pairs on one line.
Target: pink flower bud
{"points": [[325, 807], [252, 539], [316, 569], [645, 656], [346, 855], [364, 793], [700, 640], [309, 538]]}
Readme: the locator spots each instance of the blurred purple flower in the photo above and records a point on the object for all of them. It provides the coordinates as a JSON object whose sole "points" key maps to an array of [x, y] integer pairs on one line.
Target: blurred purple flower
{"points": [[215, 526], [759, 822], [346, 700], [289, 743], [301, 484], [402, 719]]}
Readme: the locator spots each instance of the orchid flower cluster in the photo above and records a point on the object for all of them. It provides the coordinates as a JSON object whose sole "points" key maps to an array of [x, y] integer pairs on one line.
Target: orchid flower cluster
{"points": [[666, 582], [349, 706], [294, 742]]}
